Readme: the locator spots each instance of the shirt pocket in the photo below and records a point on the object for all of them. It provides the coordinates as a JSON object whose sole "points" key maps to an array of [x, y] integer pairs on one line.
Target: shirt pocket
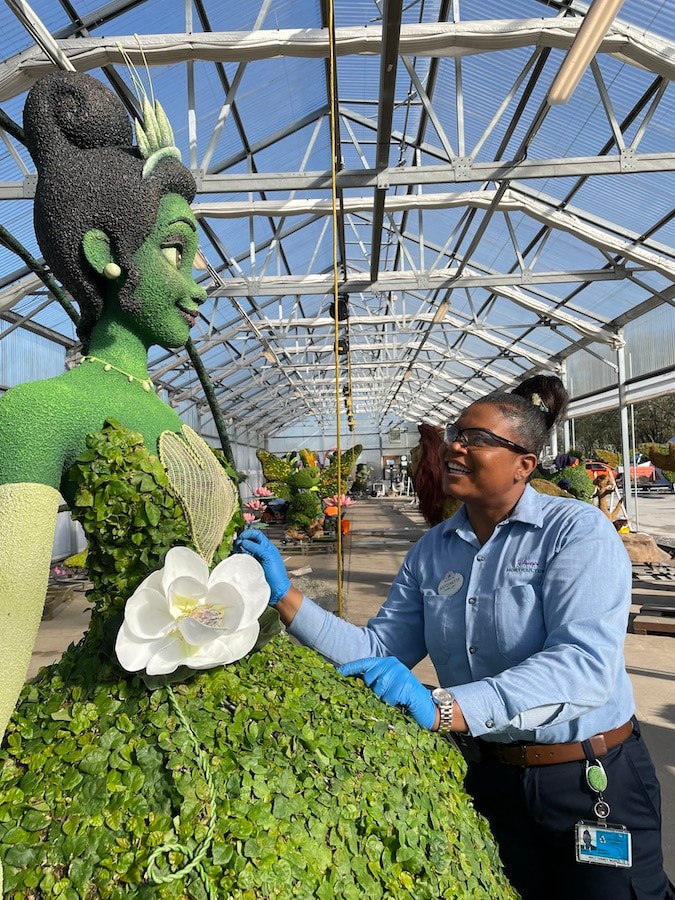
{"points": [[519, 622]]}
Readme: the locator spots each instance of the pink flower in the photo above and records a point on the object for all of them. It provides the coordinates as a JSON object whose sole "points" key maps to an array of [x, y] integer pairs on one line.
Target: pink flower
{"points": [[249, 518], [262, 492], [256, 505], [342, 501]]}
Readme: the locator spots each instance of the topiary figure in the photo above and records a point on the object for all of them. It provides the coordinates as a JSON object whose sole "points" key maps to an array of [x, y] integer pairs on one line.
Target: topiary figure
{"points": [[576, 481]]}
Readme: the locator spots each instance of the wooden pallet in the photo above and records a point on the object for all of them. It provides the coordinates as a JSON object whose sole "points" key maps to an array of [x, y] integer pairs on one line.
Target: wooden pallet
{"points": [[655, 620]]}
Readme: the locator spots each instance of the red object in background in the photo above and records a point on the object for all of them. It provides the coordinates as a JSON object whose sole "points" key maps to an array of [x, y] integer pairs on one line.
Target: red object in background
{"points": [[595, 467], [643, 470]]}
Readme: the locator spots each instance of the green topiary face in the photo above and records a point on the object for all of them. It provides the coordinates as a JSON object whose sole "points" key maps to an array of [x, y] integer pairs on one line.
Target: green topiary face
{"points": [[166, 298]]}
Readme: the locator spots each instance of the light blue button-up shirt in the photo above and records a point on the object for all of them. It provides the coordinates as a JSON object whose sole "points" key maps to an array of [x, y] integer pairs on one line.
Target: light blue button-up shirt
{"points": [[527, 630]]}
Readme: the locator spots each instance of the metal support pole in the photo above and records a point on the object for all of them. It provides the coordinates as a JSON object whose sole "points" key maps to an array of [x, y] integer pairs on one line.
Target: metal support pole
{"points": [[628, 499]]}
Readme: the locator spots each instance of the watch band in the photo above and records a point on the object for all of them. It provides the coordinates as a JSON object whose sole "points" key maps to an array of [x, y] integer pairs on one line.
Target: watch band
{"points": [[445, 702]]}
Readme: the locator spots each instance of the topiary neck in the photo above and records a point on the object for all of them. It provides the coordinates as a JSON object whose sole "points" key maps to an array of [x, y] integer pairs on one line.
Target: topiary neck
{"points": [[112, 341]]}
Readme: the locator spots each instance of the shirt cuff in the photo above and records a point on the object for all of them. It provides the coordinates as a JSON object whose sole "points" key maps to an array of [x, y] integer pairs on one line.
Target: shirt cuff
{"points": [[482, 708]]}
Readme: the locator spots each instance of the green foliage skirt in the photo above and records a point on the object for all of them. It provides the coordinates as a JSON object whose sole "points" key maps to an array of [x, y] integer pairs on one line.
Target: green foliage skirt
{"points": [[308, 790]]}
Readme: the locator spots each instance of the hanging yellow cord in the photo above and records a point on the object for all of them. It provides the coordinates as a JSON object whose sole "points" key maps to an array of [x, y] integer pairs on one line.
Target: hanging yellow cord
{"points": [[333, 175]]}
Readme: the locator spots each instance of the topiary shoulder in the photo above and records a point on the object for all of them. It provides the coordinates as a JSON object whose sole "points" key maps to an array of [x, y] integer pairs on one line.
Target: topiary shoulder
{"points": [[44, 424]]}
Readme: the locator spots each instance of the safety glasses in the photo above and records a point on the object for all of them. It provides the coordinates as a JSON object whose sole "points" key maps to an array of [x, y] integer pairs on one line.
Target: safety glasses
{"points": [[478, 438]]}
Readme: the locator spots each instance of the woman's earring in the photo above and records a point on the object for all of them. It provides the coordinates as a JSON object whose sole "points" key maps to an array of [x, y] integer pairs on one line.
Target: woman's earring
{"points": [[111, 271]]}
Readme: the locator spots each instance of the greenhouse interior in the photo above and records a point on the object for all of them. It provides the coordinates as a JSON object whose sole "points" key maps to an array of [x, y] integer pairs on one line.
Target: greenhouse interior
{"points": [[393, 212]]}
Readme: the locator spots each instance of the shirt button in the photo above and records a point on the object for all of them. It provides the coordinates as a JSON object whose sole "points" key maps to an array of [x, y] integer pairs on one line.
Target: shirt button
{"points": [[480, 558], [490, 723], [472, 649], [472, 600]]}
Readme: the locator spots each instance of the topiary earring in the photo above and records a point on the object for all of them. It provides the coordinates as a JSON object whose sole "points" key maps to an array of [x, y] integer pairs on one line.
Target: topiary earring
{"points": [[111, 271]]}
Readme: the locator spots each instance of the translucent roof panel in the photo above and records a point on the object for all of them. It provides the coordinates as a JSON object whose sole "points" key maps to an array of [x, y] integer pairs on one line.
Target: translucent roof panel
{"points": [[410, 164]]}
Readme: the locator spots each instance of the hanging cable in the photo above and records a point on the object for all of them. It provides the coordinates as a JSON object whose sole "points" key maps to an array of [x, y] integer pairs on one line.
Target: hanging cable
{"points": [[334, 213]]}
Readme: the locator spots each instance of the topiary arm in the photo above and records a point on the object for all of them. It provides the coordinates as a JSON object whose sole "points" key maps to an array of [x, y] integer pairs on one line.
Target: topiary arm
{"points": [[28, 515]]}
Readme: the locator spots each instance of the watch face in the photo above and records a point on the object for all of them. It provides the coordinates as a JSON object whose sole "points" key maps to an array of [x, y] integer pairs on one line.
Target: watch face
{"points": [[442, 695]]}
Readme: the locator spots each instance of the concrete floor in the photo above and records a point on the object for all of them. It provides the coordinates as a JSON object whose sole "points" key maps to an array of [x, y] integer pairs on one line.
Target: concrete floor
{"points": [[382, 530]]}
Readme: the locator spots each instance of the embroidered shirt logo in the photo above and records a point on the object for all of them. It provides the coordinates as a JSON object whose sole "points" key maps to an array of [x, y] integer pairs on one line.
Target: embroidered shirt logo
{"points": [[529, 566]]}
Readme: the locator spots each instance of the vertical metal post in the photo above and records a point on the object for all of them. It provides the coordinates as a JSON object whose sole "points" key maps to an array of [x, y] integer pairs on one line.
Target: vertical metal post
{"points": [[628, 499]]}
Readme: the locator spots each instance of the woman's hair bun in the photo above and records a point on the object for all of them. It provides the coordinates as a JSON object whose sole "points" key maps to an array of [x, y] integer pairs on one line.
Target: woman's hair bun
{"points": [[547, 394]]}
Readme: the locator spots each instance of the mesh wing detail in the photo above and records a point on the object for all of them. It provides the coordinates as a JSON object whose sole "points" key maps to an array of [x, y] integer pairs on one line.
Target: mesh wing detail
{"points": [[206, 493]]}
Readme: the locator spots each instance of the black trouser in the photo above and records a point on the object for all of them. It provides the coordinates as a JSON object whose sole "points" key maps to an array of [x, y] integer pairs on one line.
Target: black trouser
{"points": [[533, 812]]}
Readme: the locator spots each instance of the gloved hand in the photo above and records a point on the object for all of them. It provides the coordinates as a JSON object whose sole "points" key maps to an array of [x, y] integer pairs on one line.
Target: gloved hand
{"points": [[396, 685], [260, 547]]}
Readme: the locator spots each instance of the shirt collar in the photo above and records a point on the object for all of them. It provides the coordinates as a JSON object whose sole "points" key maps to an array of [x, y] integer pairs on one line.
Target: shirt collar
{"points": [[528, 510]]}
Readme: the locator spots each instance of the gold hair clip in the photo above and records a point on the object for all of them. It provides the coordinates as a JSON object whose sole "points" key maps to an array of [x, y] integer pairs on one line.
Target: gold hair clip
{"points": [[539, 403]]}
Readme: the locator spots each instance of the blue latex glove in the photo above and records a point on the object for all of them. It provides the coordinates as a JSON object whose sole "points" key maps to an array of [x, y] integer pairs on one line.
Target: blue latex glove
{"points": [[396, 685], [260, 547]]}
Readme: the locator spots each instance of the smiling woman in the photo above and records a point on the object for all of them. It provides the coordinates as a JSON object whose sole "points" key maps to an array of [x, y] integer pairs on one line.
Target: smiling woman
{"points": [[521, 602]]}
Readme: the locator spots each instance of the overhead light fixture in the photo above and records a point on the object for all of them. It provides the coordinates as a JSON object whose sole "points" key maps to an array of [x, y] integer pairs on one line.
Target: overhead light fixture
{"points": [[592, 30], [441, 312], [199, 263]]}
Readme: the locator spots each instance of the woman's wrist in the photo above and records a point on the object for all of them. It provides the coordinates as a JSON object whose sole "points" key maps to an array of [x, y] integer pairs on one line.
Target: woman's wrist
{"points": [[289, 604]]}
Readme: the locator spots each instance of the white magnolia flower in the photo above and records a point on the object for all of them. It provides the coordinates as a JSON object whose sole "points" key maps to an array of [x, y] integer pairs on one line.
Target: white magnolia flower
{"points": [[182, 616]]}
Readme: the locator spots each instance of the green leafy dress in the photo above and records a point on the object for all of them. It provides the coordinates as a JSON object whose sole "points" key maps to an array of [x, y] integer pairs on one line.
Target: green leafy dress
{"points": [[270, 777]]}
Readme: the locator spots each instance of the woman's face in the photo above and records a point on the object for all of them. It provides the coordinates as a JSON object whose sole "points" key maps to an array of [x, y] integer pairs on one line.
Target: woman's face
{"points": [[486, 474], [167, 294]]}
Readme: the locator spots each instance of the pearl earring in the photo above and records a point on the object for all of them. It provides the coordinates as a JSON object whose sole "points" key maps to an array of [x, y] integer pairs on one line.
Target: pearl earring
{"points": [[111, 271]]}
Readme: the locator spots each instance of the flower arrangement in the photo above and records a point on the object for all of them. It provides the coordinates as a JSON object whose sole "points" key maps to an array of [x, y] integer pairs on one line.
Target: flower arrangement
{"points": [[334, 505], [254, 510]]}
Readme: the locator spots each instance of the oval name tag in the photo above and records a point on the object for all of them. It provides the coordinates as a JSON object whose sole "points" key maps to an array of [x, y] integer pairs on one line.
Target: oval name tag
{"points": [[450, 584]]}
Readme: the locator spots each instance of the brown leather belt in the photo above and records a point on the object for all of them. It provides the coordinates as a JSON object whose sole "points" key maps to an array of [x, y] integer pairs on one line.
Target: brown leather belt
{"points": [[547, 754]]}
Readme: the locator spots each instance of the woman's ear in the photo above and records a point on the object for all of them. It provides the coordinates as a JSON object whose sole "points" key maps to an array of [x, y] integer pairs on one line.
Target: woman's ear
{"points": [[528, 463], [99, 253]]}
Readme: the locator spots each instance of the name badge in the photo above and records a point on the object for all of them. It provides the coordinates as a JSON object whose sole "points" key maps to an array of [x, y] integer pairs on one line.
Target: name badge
{"points": [[604, 845], [450, 584]]}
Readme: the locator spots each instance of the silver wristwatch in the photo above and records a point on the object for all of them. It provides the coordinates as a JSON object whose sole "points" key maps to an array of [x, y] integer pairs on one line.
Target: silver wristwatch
{"points": [[445, 701]]}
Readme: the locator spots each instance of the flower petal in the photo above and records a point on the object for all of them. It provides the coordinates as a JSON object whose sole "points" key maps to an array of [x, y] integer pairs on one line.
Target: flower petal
{"points": [[184, 593], [197, 634], [248, 577], [147, 614], [183, 561], [226, 649], [168, 655], [133, 653], [154, 581], [228, 601]]}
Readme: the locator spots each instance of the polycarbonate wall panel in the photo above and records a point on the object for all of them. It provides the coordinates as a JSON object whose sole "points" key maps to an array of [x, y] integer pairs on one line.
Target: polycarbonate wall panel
{"points": [[28, 357], [650, 348], [651, 342]]}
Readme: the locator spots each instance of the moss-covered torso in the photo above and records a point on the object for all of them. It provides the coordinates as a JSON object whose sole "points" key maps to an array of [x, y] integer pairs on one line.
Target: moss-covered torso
{"points": [[320, 790], [44, 424]]}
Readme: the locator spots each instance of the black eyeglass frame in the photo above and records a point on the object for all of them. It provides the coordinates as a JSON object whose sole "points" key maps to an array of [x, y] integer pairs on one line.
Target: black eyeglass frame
{"points": [[452, 433]]}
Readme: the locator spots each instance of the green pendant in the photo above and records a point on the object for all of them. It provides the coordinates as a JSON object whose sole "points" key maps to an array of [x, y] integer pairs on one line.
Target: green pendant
{"points": [[596, 778]]}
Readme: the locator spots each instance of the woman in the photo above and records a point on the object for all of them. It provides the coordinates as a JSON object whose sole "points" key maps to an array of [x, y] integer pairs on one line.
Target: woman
{"points": [[521, 601]]}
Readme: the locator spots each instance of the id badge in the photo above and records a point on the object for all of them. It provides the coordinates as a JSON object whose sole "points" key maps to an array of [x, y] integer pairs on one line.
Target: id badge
{"points": [[604, 845]]}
